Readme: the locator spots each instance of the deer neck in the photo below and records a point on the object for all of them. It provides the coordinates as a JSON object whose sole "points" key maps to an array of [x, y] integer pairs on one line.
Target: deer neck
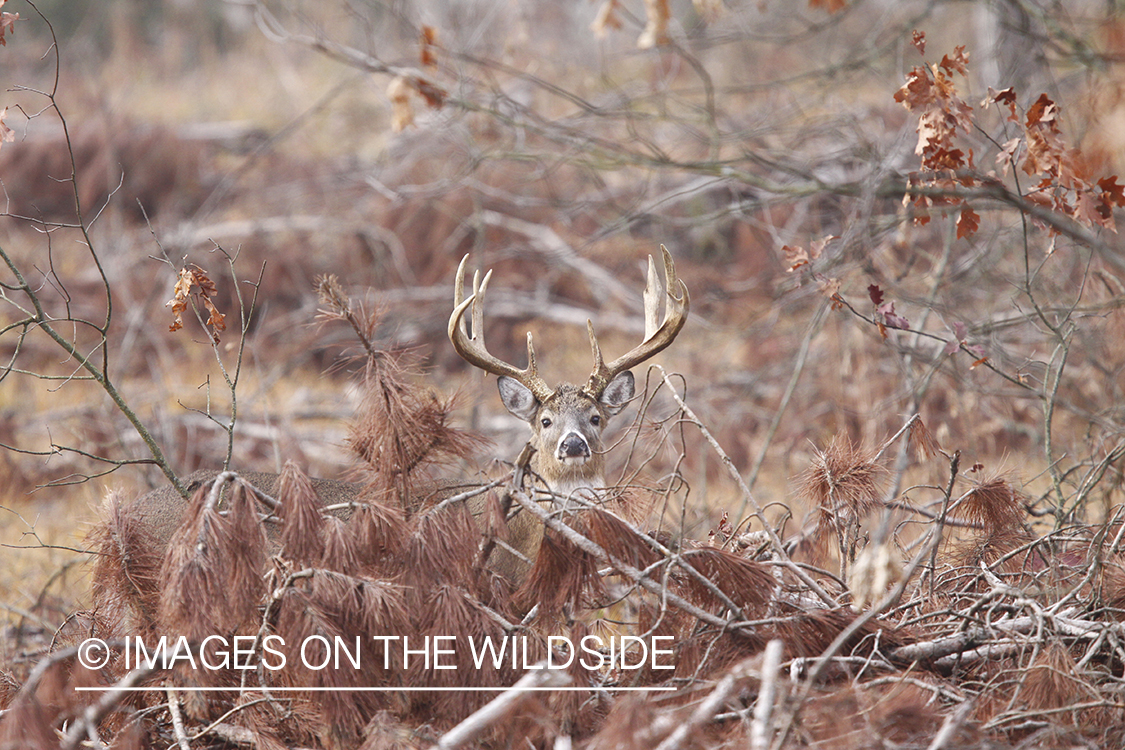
{"points": [[571, 479]]}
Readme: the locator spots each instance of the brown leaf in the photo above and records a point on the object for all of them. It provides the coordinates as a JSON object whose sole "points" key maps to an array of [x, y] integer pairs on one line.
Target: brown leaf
{"points": [[1007, 155], [958, 63], [1043, 112], [1006, 97], [7, 25], [433, 94], [196, 278], [829, 287], [179, 301], [428, 45], [1090, 211], [918, 39], [967, 223], [816, 247], [795, 257], [207, 290], [918, 91], [1112, 193]]}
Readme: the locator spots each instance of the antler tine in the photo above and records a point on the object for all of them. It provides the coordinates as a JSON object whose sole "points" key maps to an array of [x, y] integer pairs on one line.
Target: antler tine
{"points": [[657, 337], [472, 348], [652, 297]]}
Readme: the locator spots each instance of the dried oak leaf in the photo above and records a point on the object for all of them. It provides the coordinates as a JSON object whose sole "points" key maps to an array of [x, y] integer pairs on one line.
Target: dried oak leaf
{"points": [[1007, 155], [958, 63], [918, 91], [892, 319], [1006, 97], [967, 223], [1112, 193], [816, 247], [829, 287], [7, 24], [795, 257], [179, 301], [432, 93], [918, 39], [195, 278], [1043, 112]]}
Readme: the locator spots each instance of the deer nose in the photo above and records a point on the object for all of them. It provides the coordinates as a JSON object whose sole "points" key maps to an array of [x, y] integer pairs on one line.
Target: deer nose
{"points": [[574, 446]]}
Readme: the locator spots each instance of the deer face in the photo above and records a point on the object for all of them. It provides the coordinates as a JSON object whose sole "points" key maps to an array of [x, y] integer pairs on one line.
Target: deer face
{"points": [[567, 426], [567, 422]]}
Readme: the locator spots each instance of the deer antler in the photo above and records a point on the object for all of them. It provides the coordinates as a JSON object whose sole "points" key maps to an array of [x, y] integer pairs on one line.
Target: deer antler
{"points": [[657, 337], [472, 348]]}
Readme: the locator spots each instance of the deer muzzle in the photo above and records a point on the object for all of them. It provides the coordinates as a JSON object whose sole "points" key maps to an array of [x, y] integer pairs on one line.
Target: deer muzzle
{"points": [[573, 446]]}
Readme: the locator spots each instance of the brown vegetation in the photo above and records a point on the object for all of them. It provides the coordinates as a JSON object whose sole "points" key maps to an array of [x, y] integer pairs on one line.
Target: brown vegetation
{"points": [[872, 496]]}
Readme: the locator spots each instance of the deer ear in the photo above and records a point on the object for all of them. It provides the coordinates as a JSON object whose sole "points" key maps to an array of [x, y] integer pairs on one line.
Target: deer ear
{"points": [[617, 393], [517, 398]]}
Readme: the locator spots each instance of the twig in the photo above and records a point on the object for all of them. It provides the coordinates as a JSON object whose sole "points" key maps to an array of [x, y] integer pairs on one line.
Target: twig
{"points": [[790, 388], [859, 622], [950, 726], [760, 733], [177, 719], [710, 705], [779, 547], [589, 546], [87, 722], [499, 707]]}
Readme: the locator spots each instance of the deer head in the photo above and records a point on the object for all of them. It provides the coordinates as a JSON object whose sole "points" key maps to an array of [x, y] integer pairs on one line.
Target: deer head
{"points": [[567, 422]]}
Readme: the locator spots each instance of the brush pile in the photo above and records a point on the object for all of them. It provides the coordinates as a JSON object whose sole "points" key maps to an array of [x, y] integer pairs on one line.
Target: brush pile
{"points": [[270, 623]]}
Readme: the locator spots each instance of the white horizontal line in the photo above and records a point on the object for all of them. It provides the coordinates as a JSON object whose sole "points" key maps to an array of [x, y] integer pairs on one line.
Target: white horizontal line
{"points": [[258, 688]]}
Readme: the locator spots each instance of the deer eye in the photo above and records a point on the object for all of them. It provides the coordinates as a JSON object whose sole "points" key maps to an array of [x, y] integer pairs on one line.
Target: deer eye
{"points": [[545, 422], [596, 420]]}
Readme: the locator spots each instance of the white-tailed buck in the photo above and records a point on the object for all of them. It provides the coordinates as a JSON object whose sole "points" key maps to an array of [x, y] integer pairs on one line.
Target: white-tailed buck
{"points": [[566, 423]]}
